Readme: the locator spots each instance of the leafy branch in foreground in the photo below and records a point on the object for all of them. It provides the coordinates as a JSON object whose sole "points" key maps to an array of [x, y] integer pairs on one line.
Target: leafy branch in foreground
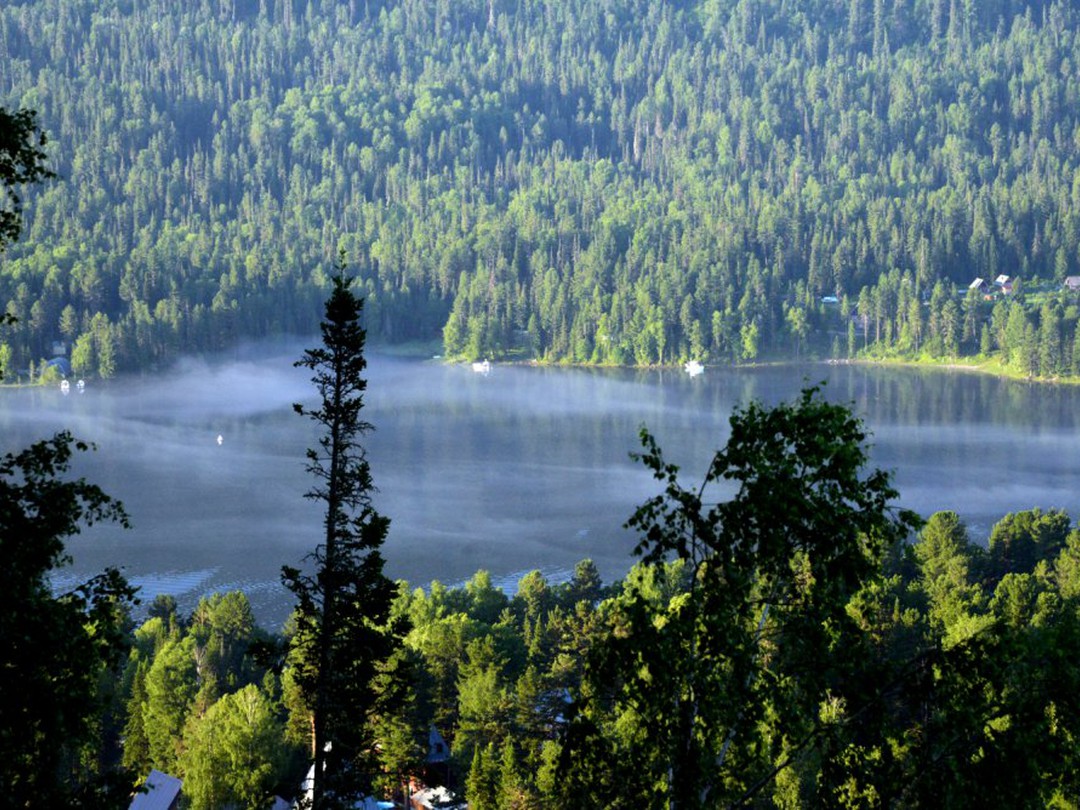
{"points": [[54, 649], [22, 158], [752, 627]]}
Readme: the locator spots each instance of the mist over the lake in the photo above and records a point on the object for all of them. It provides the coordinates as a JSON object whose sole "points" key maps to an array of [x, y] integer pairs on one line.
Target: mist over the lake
{"points": [[525, 468]]}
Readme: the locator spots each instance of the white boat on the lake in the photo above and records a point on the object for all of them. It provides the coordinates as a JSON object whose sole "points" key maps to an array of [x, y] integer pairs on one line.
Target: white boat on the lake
{"points": [[81, 385], [483, 367], [693, 368], [65, 386]]}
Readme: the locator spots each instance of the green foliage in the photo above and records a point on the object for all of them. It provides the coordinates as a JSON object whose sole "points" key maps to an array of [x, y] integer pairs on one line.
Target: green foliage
{"points": [[171, 686], [1066, 570], [232, 753], [1020, 540], [932, 682], [136, 756], [60, 649], [22, 160], [483, 701], [946, 557], [403, 727], [970, 710], [198, 706], [223, 627], [482, 785], [344, 632], [613, 183], [758, 627]]}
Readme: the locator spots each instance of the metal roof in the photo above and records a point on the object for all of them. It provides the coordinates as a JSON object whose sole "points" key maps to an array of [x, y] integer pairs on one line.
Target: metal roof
{"points": [[163, 790]]}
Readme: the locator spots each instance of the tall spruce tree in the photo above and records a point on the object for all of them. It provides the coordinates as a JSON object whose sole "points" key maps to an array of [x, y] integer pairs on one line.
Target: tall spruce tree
{"points": [[344, 634]]}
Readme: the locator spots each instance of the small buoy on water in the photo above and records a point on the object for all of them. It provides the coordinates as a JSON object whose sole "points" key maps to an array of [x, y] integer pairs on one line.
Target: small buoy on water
{"points": [[220, 439]]}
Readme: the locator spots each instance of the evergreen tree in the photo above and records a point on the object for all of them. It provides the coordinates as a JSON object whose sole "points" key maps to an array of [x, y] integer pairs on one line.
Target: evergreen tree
{"points": [[482, 783], [136, 745], [945, 557], [343, 628], [172, 684], [402, 731]]}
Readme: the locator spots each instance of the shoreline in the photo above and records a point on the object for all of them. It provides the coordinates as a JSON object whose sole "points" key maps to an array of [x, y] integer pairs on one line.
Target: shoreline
{"points": [[428, 351], [987, 368], [984, 368]]}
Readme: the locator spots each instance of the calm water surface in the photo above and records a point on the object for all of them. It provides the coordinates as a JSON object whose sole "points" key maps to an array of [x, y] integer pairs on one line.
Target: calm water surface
{"points": [[524, 468]]}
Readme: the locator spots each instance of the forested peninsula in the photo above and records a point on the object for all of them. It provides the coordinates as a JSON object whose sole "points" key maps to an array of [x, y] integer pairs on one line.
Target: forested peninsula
{"points": [[622, 182]]}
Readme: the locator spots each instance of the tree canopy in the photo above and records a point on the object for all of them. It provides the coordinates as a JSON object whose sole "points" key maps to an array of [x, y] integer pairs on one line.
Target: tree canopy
{"points": [[344, 633], [748, 621], [626, 182], [59, 650]]}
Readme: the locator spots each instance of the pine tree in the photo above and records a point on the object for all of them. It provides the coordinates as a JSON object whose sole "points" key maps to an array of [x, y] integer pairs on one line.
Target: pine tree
{"points": [[343, 628], [136, 755], [482, 783]]}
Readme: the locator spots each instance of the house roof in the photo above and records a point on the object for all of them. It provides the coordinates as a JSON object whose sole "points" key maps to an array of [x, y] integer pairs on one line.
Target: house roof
{"points": [[976, 284], [162, 792], [1073, 282], [61, 363], [438, 750], [1001, 281]]}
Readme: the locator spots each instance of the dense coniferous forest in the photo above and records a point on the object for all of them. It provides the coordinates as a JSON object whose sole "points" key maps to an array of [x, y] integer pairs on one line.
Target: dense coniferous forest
{"points": [[612, 182]]}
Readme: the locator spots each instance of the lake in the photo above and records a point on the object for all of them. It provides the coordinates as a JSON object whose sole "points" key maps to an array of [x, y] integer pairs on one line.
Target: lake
{"points": [[524, 468]]}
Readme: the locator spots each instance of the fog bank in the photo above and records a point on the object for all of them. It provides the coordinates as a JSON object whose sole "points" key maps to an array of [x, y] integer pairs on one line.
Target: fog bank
{"points": [[525, 468]]}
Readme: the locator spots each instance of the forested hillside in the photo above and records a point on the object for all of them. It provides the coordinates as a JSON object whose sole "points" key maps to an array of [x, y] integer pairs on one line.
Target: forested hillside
{"points": [[620, 181]]}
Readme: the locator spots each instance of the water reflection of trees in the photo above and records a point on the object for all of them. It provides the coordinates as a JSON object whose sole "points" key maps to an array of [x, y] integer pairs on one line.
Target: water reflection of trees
{"points": [[905, 396], [531, 407]]}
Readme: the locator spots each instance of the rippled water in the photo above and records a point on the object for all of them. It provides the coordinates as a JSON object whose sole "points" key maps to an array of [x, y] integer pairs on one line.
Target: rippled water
{"points": [[523, 468]]}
